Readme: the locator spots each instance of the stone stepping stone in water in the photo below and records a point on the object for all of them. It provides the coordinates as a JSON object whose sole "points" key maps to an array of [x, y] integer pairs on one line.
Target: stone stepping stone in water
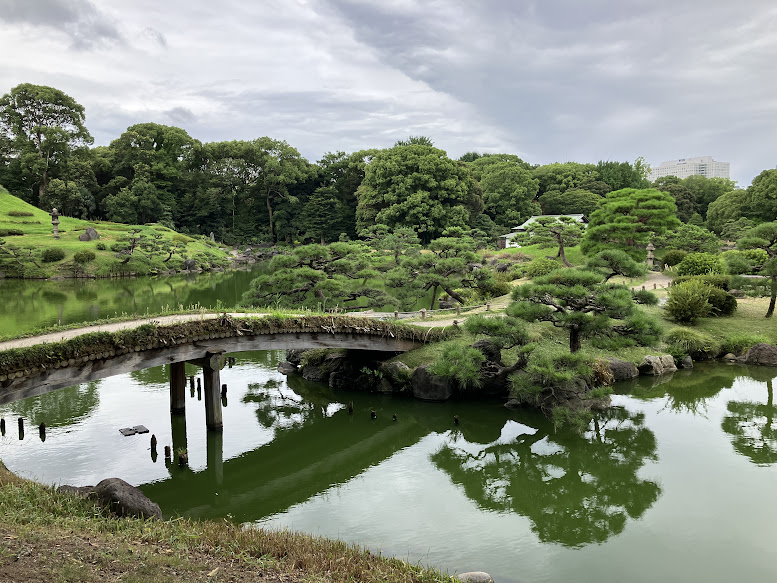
{"points": [[138, 429]]}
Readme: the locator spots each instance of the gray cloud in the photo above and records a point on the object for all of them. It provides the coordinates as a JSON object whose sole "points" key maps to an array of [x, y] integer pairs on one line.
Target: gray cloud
{"points": [[181, 115], [79, 19]]}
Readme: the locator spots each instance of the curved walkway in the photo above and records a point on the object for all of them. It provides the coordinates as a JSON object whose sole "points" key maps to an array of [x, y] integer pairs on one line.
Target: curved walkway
{"points": [[114, 327]]}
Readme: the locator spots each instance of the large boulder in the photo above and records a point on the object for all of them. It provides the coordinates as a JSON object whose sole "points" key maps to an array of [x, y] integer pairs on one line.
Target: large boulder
{"points": [[657, 365], [125, 499], [761, 354], [429, 387], [89, 235], [287, 368], [190, 265], [622, 370]]}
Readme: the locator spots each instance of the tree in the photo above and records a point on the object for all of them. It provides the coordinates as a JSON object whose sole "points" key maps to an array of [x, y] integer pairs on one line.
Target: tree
{"points": [[558, 232], [417, 186], [752, 427], [620, 175], [762, 196], [508, 193], [726, 209], [44, 125], [629, 219], [572, 201], [685, 199], [317, 276], [580, 302], [707, 190], [689, 238], [563, 176], [612, 262], [764, 236]]}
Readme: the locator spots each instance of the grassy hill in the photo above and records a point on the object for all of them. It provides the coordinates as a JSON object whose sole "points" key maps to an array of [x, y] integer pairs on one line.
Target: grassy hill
{"points": [[26, 232]]}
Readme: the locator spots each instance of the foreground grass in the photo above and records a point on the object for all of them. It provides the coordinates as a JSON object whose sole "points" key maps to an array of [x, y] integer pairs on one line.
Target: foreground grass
{"points": [[59, 537]]}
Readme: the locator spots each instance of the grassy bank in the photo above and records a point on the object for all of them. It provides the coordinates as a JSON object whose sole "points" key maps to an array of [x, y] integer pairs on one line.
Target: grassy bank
{"points": [[49, 536], [27, 233]]}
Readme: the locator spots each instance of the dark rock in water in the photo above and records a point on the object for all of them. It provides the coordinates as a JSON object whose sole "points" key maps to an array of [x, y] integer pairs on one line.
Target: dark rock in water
{"points": [[622, 370], [395, 371], [294, 355], [513, 404], [89, 235], [126, 500], [762, 354], [687, 362], [475, 577], [190, 265], [287, 367], [489, 349], [315, 373], [493, 381], [428, 387], [657, 365]]}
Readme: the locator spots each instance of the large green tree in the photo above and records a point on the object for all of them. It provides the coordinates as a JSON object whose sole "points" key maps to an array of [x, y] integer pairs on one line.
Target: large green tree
{"points": [[726, 209], [580, 302], [571, 201], [620, 175], [417, 186], [509, 191], [629, 219], [764, 236], [44, 126], [762, 196], [563, 176]]}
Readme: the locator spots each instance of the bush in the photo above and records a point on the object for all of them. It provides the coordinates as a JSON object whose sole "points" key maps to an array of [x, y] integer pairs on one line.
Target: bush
{"points": [[52, 254], [682, 341], [713, 280], [645, 297], [699, 264], [673, 257], [723, 303], [688, 301], [460, 363], [757, 257], [740, 343], [736, 263], [178, 238], [101, 246], [20, 214], [541, 266], [84, 256], [11, 233], [118, 247]]}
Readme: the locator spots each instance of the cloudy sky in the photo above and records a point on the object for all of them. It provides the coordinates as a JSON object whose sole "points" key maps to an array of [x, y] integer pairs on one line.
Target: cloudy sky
{"points": [[551, 80]]}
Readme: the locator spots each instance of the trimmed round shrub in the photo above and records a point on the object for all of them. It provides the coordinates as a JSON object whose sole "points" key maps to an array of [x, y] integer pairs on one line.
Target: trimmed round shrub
{"points": [[542, 266], [84, 256], [11, 233], [722, 302], [101, 246], [673, 257], [645, 297], [682, 341], [688, 302], [20, 214], [700, 264], [52, 254]]}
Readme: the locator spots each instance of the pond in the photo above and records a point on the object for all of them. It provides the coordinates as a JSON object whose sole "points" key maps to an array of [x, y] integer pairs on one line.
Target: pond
{"points": [[673, 483], [31, 304]]}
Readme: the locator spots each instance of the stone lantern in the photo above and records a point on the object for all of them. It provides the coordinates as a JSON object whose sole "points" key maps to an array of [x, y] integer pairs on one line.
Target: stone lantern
{"points": [[55, 222], [651, 259]]}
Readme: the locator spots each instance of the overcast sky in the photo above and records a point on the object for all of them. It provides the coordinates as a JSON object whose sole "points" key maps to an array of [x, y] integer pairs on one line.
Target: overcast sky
{"points": [[551, 80]]}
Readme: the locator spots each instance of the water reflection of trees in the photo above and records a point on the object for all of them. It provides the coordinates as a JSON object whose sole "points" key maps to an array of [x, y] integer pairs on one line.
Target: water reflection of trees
{"points": [[60, 408], [283, 407], [751, 424], [575, 488]]}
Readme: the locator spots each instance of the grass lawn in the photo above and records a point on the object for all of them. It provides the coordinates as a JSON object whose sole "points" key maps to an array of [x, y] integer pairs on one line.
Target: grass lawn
{"points": [[36, 226]]}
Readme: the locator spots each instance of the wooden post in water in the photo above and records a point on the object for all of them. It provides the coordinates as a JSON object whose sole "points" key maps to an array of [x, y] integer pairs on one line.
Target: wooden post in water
{"points": [[178, 387], [211, 364], [215, 456]]}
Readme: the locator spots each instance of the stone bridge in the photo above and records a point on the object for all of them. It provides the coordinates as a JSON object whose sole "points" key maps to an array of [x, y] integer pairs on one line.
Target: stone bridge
{"points": [[42, 368]]}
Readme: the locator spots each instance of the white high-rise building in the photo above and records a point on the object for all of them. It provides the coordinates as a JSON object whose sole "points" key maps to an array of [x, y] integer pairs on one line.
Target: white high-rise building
{"points": [[684, 167]]}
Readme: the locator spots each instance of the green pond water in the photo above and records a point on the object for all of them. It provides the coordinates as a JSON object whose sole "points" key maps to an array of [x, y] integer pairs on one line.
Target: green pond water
{"points": [[675, 483]]}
